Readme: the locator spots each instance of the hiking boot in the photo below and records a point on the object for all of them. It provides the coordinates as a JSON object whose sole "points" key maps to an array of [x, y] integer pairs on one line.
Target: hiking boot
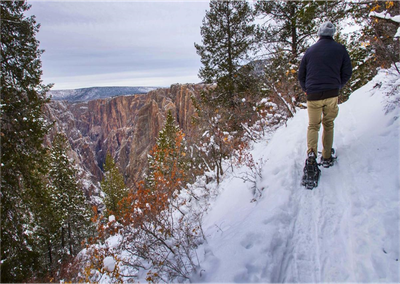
{"points": [[326, 163], [311, 156]]}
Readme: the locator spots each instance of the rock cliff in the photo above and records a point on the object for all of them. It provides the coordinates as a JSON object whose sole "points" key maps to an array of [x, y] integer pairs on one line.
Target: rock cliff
{"points": [[125, 126]]}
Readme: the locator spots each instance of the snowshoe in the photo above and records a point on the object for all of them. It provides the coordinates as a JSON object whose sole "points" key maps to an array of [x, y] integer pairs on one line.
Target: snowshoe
{"points": [[326, 163], [311, 172]]}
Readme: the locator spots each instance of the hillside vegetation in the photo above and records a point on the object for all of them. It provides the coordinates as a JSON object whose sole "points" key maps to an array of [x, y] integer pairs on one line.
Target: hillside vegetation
{"points": [[220, 201]]}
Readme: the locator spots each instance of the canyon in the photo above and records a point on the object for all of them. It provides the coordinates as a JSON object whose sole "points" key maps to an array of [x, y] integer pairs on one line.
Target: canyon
{"points": [[125, 126]]}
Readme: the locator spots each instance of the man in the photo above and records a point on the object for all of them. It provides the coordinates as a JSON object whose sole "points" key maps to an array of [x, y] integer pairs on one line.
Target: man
{"points": [[324, 70]]}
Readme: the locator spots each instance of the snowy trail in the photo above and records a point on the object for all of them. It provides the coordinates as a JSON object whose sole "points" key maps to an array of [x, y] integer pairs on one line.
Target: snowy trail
{"points": [[346, 230]]}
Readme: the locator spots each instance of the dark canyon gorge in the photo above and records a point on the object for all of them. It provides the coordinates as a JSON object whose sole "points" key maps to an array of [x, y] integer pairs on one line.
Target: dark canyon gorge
{"points": [[125, 126]]}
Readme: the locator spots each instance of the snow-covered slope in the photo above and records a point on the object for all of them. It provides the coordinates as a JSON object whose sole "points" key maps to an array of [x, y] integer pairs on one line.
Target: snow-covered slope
{"points": [[346, 230]]}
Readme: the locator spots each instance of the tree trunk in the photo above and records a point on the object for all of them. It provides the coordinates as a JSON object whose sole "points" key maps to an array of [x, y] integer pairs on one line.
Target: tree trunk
{"points": [[293, 30], [62, 237], [70, 238], [50, 253]]}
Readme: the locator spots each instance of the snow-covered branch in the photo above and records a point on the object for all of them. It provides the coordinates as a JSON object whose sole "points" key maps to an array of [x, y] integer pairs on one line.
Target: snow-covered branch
{"points": [[385, 15]]}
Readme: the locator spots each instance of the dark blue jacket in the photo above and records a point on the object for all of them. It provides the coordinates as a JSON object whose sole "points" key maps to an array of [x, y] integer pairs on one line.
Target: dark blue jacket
{"points": [[324, 69]]}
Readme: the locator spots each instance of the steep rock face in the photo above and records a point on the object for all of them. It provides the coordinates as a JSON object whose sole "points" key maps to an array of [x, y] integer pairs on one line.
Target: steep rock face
{"points": [[125, 126]]}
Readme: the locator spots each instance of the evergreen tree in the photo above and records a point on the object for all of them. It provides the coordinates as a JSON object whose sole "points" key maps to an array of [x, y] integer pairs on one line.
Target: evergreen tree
{"points": [[72, 214], [377, 36], [48, 226], [23, 163], [373, 45], [228, 41], [228, 37], [362, 59], [289, 28], [167, 136], [168, 162], [113, 186], [292, 25]]}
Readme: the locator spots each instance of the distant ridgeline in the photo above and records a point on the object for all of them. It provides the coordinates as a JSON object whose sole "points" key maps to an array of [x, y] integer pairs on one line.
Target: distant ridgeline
{"points": [[94, 93]]}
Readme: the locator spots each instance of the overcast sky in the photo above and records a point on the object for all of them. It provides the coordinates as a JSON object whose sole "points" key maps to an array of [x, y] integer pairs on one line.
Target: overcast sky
{"points": [[119, 43]]}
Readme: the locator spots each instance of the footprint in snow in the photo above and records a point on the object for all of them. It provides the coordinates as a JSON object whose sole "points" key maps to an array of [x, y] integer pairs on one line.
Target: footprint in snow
{"points": [[250, 240]]}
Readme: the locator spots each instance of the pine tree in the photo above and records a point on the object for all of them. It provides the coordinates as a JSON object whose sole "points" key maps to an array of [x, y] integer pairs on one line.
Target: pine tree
{"points": [[160, 230], [289, 29], [23, 162], [72, 214], [228, 42], [47, 232], [113, 186], [228, 37], [290, 25], [378, 30], [362, 59], [168, 162]]}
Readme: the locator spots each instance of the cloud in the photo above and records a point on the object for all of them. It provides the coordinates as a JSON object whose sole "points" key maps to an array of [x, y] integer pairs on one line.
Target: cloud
{"points": [[141, 78], [99, 40]]}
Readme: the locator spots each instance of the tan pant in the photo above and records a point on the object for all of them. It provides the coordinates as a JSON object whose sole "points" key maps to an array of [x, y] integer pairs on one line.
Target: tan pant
{"points": [[326, 111]]}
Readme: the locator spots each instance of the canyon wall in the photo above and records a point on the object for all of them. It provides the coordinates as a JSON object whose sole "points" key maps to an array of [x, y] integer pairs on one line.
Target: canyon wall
{"points": [[125, 126]]}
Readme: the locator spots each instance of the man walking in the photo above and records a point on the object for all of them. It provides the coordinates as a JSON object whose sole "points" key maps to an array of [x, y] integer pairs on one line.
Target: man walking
{"points": [[324, 70]]}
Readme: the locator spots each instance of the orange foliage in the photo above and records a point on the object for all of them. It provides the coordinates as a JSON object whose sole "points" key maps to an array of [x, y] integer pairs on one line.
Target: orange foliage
{"points": [[145, 215]]}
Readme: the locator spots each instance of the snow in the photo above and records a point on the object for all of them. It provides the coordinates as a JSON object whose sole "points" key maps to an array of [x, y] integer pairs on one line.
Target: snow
{"points": [[109, 263], [270, 229], [396, 18], [345, 230], [113, 241], [111, 218], [385, 15]]}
